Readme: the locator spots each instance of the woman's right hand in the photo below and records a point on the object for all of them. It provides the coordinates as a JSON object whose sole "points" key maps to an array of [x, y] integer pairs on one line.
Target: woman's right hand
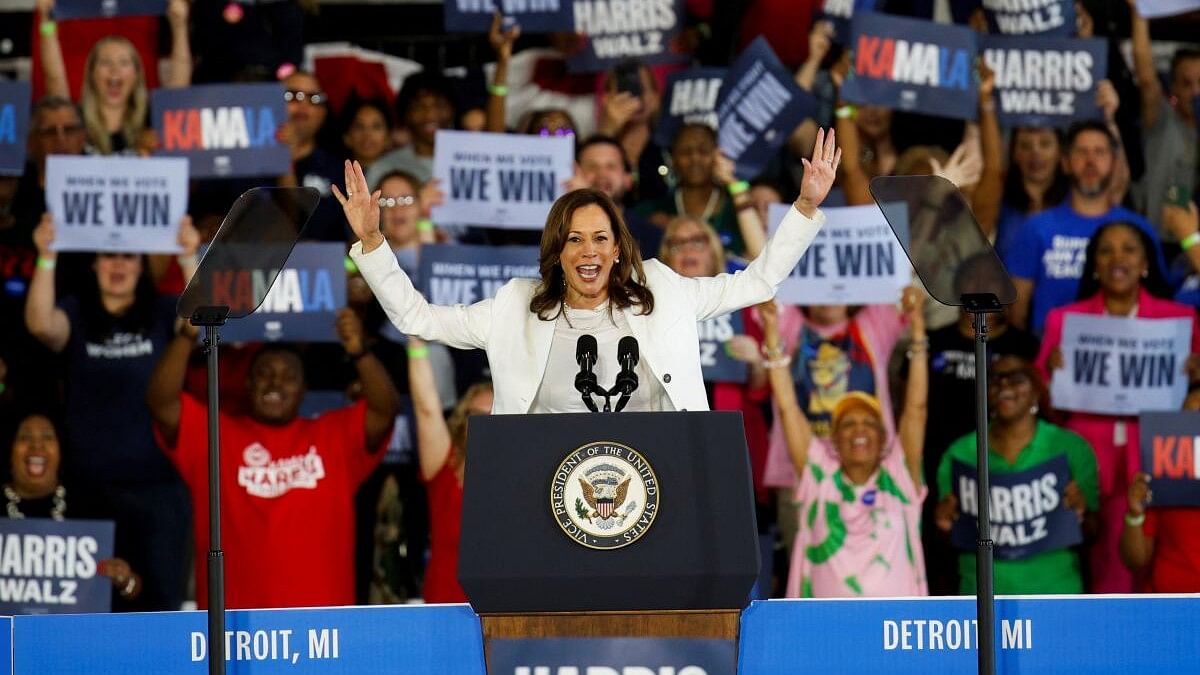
{"points": [[946, 513], [502, 40], [1140, 495], [361, 207], [1056, 359], [44, 8], [819, 173], [43, 237]]}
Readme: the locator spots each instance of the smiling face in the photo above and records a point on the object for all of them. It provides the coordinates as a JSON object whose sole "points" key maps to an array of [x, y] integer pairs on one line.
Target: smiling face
{"points": [[1036, 153], [35, 457], [858, 438], [587, 256], [603, 167], [429, 112], [400, 221], [117, 274], [115, 72], [1120, 260], [689, 250], [276, 387], [694, 154], [305, 116], [1011, 390], [367, 137]]}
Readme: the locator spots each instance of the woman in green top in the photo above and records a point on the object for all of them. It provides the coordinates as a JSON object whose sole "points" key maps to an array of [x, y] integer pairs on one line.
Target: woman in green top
{"points": [[1019, 440]]}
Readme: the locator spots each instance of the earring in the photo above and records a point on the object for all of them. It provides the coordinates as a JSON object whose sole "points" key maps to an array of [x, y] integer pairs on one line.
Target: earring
{"points": [[619, 260], [1145, 273], [1033, 409]]}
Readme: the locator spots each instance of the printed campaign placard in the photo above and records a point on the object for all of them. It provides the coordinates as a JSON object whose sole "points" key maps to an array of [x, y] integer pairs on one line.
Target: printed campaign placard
{"points": [[14, 127], [452, 275], [500, 180], [533, 16], [99, 9], [630, 656], [1027, 512], [716, 365], [116, 204], [1031, 17], [300, 306], [854, 260], [1153, 9], [839, 13], [52, 566], [1171, 455], [225, 130], [689, 97], [613, 31], [759, 106], [914, 66], [1045, 81], [1121, 366]]}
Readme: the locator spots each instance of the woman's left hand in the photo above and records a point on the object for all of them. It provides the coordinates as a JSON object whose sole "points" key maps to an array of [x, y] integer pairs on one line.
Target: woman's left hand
{"points": [[121, 574], [912, 300], [431, 195], [723, 170], [1073, 499], [819, 173], [177, 12], [743, 348], [350, 331], [1107, 99], [189, 237]]}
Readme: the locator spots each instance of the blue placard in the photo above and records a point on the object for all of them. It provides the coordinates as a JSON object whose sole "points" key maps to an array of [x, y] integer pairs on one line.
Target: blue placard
{"points": [[52, 566], [1045, 81], [452, 275], [98, 9], [689, 97], [914, 66], [1083, 634], [402, 446], [759, 106], [301, 305], [716, 364], [1027, 511], [613, 655], [611, 32], [432, 640], [1171, 455], [839, 13], [1031, 17], [14, 127], [225, 130], [533, 16]]}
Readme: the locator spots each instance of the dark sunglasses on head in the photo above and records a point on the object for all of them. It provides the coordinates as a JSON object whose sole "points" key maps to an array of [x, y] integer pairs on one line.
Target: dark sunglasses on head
{"points": [[311, 97]]}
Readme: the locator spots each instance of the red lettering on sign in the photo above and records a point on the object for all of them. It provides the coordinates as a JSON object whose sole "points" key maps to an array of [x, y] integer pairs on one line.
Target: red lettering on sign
{"points": [[874, 57]]}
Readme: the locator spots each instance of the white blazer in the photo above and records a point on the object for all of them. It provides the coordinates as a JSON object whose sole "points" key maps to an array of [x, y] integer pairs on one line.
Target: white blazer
{"points": [[518, 342]]}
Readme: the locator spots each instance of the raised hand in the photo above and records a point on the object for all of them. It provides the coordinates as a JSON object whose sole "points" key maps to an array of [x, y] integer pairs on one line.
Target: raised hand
{"points": [[189, 237], [1107, 99], [350, 331], [964, 166], [502, 40], [43, 236], [819, 173], [361, 207], [1073, 499], [723, 170], [1139, 493], [431, 195]]}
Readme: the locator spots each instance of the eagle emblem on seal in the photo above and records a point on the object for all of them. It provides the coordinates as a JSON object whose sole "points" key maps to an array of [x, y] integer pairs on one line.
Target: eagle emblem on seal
{"points": [[605, 488]]}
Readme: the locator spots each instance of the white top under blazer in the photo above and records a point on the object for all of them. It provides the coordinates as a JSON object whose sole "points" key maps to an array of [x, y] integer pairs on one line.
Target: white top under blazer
{"points": [[518, 343]]}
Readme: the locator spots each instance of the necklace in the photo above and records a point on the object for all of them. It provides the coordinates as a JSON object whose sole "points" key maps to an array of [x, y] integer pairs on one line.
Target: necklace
{"points": [[709, 208], [589, 319], [57, 509]]}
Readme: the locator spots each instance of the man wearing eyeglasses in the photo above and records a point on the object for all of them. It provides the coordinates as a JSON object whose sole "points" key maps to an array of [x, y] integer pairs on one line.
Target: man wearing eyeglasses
{"points": [[312, 166]]}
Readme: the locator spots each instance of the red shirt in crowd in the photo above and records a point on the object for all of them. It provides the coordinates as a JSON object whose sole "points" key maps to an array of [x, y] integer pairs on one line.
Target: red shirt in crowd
{"points": [[1175, 567], [287, 504], [445, 525]]}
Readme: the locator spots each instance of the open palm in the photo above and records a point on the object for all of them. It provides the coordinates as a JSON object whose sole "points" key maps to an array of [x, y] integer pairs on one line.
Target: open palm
{"points": [[360, 206], [819, 172]]}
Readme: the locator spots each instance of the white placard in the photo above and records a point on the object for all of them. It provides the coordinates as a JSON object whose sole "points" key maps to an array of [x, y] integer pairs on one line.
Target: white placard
{"points": [[116, 204], [854, 260], [1153, 9], [1121, 366], [500, 180]]}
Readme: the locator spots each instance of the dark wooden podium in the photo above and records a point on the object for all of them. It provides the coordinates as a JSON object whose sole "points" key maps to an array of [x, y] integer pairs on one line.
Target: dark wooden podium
{"points": [[688, 575]]}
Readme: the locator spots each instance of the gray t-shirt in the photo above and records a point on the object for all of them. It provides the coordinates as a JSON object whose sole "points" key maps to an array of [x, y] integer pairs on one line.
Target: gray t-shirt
{"points": [[402, 159], [1170, 148]]}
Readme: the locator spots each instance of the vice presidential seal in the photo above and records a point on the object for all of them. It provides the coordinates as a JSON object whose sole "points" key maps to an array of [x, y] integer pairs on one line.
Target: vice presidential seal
{"points": [[604, 495]]}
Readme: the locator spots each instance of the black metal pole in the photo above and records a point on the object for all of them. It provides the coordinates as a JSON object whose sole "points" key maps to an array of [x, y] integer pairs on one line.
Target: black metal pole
{"points": [[216, 558], [985, 593]]}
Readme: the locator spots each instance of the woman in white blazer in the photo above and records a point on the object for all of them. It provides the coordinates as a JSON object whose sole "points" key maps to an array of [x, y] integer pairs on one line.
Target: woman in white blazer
{"points": [[593, 281]]}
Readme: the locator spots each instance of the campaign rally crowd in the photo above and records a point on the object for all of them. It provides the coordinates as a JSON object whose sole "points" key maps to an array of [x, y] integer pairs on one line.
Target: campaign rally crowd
{"points": [[343, 456]]}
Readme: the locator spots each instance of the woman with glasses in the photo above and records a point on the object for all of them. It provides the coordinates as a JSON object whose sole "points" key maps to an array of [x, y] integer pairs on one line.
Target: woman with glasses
{"points": [[1018, 439]]}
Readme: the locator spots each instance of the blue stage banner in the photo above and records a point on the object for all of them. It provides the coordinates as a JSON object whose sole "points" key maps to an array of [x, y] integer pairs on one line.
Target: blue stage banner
{"points": [[14, 127], [1045, 81], [914, 66], [1027, 511], [301, 305], [715, 362], [1171, 455], [759, 106], [1068, 634], [452, 275], [690, 97], [612, 32], [613, 656], [53, 566], [102, 9], [1031, 17], [533, 16], [425, 640], [6, 645], [839, 13], [225, 130]]}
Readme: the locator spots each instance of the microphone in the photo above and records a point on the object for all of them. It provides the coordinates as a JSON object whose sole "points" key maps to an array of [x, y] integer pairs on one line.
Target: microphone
{"points": [[586, 352], [627, 379]]}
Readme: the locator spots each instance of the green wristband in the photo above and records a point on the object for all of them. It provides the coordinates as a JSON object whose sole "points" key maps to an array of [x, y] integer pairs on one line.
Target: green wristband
{"points": [[738, 187], [424, 225], [46, 263], [48, 28], [418, 352], [349, 264], [498, 90], [1190, 241]]}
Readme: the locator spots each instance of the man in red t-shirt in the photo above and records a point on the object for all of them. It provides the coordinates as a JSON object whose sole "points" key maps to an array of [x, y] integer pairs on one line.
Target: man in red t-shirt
{"points": [[1163, 542], [287, 483]]}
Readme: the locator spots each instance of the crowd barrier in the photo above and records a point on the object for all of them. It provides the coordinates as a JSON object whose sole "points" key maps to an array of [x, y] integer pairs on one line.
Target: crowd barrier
{"points": [[1086, 634]]}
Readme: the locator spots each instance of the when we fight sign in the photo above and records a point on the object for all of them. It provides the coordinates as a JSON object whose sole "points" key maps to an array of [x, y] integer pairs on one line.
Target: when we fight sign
{"points": [[914, 66], [224, 130], [452, 275], [855, 259], [14, 127], [690, 98], [1121, 366], [100, 9], [1170, 444], [1026, 508], [621, 30], [533, 16], [1031, 17], [116, 204], [716, 365], [1045, 81], [758, 107], [52, 566], [500, 180]]}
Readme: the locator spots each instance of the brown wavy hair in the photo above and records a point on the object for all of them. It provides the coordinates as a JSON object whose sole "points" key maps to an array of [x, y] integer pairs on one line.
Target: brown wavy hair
{"points": [[626, 281]]}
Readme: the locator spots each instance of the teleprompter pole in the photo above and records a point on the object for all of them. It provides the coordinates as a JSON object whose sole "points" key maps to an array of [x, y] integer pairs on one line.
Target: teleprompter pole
{"points": [[212, 318]]}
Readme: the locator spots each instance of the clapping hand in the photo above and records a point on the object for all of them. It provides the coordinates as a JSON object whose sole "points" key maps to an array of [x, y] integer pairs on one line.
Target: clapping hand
{"points": [[819, 172]]}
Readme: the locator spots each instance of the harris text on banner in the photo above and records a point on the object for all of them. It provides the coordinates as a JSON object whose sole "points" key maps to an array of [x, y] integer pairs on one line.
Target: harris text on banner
{"points": [[301, 305], [607, 656], [1121, 366], [914, 66], [224, 130], [53, 566], [533, 16], [716, 365], [116, 204], [1031, 17], [99, 9], [1045, 81], [690, 97], [500, 180], [1171, 455], [14, 127], [621, 30]]}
